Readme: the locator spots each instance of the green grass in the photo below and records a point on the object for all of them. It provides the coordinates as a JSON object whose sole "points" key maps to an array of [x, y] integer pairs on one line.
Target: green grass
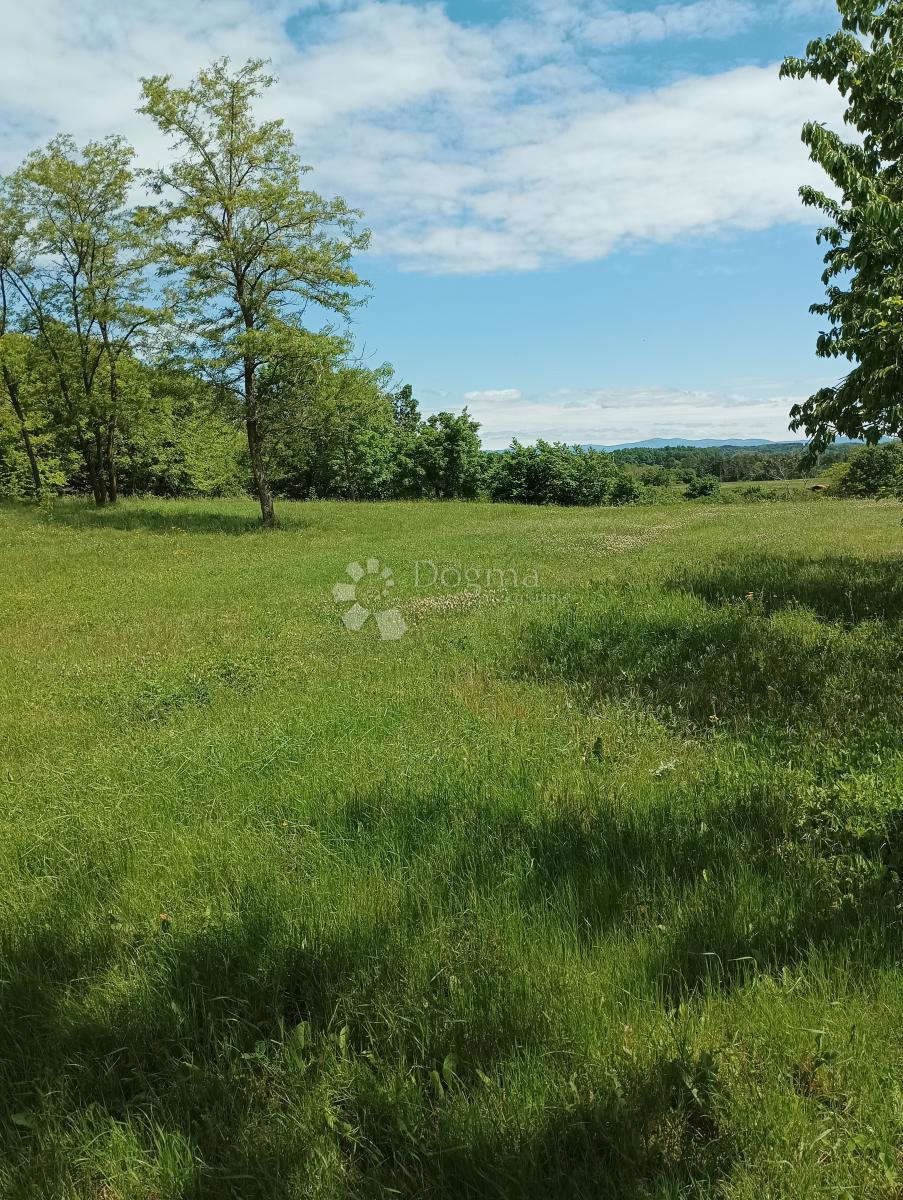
{"points": [[584, 889]]}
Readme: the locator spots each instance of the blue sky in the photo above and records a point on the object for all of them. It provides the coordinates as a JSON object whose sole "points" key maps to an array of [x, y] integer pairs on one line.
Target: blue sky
{"points": [[584, 212]]}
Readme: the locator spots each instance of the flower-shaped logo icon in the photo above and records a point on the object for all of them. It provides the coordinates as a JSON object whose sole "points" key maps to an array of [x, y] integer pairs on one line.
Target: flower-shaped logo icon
{"points": [[374, 583]]}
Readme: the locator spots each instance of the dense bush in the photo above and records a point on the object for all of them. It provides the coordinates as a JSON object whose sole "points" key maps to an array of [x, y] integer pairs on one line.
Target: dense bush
{"points": [[553, 473], [873, 472], [702, 486]]}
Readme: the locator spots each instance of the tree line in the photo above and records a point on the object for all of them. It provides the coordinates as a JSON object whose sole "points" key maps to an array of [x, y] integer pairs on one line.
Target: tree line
{"points": [[770, 462], [350, 434]]}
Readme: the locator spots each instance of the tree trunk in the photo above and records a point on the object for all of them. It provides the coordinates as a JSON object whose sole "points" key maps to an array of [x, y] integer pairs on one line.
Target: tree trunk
{"points": [[110, 445], [96, 479], [258, 466], [94, 467], [101, 495], [12, 388], [261, 482], [110, 462], [112, 482]]}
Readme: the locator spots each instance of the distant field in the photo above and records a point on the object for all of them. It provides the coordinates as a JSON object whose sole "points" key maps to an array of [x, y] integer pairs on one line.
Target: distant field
{"points": [[779, 486], [588, 885]]}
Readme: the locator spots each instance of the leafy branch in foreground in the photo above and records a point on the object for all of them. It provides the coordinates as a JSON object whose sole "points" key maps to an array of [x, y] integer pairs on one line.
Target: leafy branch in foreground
{"points": [[863, 274]]}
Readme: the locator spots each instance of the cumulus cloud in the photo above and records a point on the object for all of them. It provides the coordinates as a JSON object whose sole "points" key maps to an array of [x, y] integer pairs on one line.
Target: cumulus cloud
{"points": [[471, 148]]}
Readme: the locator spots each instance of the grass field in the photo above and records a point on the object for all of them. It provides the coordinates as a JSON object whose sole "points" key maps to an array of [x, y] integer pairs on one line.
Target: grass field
{"points": [[589, 885]]}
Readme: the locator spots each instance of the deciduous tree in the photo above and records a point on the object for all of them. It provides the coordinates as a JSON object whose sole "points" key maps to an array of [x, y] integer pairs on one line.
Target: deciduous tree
{"points": [[76, 262], [250, 245]]}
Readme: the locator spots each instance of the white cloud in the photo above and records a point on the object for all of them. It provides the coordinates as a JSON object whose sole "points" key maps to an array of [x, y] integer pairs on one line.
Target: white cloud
{"points": [[491, 396], [608, 23], [471, 148], [702, 19], [605, 416], [701, 155]]}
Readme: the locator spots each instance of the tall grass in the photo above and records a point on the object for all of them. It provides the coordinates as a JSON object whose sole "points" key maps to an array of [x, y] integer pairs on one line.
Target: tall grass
{"points": [[584, 887]]}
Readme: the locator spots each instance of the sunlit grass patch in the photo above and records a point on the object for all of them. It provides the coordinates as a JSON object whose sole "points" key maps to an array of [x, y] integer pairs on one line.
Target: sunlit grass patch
{"points": [[595, 889]]}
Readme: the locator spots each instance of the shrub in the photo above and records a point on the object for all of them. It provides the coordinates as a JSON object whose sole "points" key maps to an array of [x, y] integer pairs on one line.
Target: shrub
{"points": [[553, 473], [756, 492], [702, 486], [873, 472], [626, 490]]}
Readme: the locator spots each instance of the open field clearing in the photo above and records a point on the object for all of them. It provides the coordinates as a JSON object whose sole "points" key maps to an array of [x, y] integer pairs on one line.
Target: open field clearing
{"points": [[587, 885]]}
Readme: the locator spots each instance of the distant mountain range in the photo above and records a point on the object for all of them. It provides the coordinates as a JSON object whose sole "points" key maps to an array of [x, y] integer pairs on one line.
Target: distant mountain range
{"points": [[706, 444], [700, 443]]}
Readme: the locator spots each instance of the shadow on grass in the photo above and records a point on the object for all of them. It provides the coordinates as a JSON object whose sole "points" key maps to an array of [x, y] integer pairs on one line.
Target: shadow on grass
{"points": [[715, 894], [157, 517], [637, 1132], [787, 675], [806, 672], [265, 1042], [754, 872], [194, 1068], [836, 588], [166, 517], [199, 1037]]}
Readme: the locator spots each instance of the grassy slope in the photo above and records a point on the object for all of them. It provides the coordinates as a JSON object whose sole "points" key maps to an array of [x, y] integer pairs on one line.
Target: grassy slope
{"points": [[590, 890]]}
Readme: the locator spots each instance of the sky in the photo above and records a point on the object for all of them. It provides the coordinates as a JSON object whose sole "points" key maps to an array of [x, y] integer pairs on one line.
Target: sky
{"points": [[584, 212]]}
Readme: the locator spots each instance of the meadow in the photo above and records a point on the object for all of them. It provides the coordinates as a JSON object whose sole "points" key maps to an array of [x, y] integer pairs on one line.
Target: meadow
{"points": [[588, 885]]}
